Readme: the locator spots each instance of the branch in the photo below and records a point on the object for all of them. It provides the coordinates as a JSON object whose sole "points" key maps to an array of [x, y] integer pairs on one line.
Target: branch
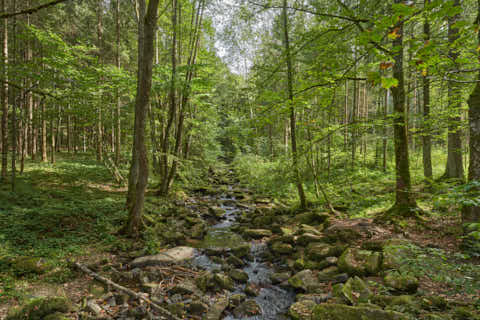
{"points": [[31, 10], [31, 89], [131, 293], [352, 19]]}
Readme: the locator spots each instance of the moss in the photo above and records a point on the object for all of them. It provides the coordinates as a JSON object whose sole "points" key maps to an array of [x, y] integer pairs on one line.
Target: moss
{"points": [[357, 262], [39, 308], [56, 316], [302, 310], [343, 312], [28, 265], [401, 282]]}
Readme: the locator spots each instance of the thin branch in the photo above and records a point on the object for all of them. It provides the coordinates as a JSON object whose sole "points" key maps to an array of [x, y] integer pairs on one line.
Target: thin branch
{"points": [[31, 10], [31, 89]]}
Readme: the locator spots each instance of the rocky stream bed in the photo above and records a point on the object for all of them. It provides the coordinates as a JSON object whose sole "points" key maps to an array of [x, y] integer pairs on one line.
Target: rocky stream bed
{"points": [[239, 257]]}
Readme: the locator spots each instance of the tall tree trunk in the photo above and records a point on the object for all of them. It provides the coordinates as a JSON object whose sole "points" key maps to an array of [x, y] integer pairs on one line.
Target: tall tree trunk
{"points": [[117, 58], [404, 200], [99, 108], [385, 140], [454, 167], [471, 214], [426, 136], [4, 96], [29, 97], [14, 103], [139, 152], [296, 171]]}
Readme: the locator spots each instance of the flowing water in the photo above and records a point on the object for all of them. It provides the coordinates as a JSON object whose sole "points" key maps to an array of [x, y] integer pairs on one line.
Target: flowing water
{"points": [[273, 300]]}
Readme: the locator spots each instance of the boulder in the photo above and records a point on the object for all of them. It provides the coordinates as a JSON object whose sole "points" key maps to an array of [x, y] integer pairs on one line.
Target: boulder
{"points": [[185, 287], [236, 299], [307, 238], [239, 275], [197, 308], [303, 280], [401, 282], [282, 248], [343, 312], [223, 281], [171, 256], [29, 265], [395, 251], [205, 281], [360, 262], [280, 277], [216, 310], [248, 308], [354, 291], [312, 217], [241, 250], [257, 233], [319, 251], [216, 211], [39, 308], [302, 310]]}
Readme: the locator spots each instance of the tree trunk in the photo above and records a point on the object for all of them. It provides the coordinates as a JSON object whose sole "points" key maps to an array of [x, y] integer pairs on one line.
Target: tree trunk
{"points": [[426, 137], [404, 200], [139, 152], [118, 115], [4, 96], [471, 214], [454, 167], [99, 108], [296, 171]]}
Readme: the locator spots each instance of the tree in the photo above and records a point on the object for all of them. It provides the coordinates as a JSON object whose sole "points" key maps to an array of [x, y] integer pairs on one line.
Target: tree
{"points": [[4, 95], [139, 168], [293, 139], [405, 204], [471, 212], [426, 137]]}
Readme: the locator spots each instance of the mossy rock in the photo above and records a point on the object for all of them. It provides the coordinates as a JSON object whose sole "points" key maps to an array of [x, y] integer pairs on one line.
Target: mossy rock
{"points": [[436, 316], [56, 316], [29, 265], [344, 312], [395, 251], [464, 313], [248, 308], [404, 303], [282, 248], [319, 251], [354, 291], [223, 281], [312, 217], [434, 303], [303, 280], [302, 310], [401, 282], [205, 281], [239, 275], [358, 262], [39, 308]]}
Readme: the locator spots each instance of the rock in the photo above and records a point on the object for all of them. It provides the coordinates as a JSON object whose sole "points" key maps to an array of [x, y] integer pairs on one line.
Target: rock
{"points": [[307, 238], [434, 303], [303, 280], [251, 290], [29, 265], [39, 308], [177, 308], [280, 277], [302, 310], [56, 316], [353, 291], [223, 281], [327, 274], [198, 231], [216, 310], [319, 251], [317, 297], [351, 230], [343, 312], [205, 281], [305, 228], [239, 275], [93, 307], [248, 308], [197, 308], [183, 288], [216, 211], [236, 300], [395, 252], [173, 236], [312, 217], [359, 262], [282, 248], [404, 303], [242, 250], [174, 255], [257, 233], [401, 282], [235, 261]]}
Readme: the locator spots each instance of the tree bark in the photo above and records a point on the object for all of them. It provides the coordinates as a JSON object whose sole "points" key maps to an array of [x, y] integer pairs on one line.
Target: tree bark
{"points": [[426, 137], [454, 167], [139, 152], [117, 58], [99, 108], [404, 200], [471, 214], [4, 96], [296, 171]]}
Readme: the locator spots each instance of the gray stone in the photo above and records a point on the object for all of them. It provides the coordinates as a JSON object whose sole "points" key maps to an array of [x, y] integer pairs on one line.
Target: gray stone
{"points": [[175, 255]]}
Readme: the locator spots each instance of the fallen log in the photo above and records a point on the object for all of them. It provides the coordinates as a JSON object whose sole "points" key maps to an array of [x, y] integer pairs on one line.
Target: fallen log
{"points": [[164, 312]]}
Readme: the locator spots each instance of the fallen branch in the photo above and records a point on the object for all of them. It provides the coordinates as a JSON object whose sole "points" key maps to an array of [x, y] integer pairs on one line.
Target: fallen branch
{"points": [[130, 292]]}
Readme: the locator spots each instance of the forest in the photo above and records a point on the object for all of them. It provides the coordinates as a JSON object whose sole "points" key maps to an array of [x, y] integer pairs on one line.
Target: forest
{"points": [[240, 159]]}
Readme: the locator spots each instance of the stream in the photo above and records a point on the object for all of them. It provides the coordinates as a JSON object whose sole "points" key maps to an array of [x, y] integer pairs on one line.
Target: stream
{"points": [[273, 300]]}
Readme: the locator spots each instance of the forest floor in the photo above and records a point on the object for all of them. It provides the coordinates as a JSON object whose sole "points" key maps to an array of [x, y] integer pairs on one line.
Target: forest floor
{"points": [[71, 211]]}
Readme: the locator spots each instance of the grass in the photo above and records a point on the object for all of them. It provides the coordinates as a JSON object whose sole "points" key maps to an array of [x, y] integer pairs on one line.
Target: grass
{"points": [[58, 212]]}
